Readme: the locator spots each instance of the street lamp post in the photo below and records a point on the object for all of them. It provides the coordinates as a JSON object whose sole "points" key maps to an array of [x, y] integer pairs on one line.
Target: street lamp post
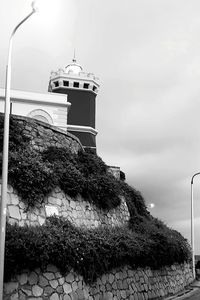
{"points": [[192, 224], [5, 153]]}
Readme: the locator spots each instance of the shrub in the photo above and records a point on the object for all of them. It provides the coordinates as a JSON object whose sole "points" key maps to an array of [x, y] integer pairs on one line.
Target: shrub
{"points": [[59, 155], [134, 200], [122, 176], [16, 138], [169, 245], [34, 174], [104, 191], [30, 176], [90, 164], [91, 253], [71, 180], [65, 169]]}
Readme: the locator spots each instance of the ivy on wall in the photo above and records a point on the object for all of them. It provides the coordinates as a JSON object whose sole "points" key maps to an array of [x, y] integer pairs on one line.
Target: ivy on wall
{"points": [[35, 174], [92, 253]]}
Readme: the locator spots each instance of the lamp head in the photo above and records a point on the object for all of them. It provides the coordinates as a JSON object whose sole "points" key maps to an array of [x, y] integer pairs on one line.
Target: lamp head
{"points": [[34, 6], [151, 205]]}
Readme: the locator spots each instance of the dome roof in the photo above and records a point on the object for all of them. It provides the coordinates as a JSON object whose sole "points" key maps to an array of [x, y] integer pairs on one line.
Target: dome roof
{"points": [[73, 68]]}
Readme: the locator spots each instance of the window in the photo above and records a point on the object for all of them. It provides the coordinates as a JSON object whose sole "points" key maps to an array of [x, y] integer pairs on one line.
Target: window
{"points": [[65, 83], [86, 86], [41, 115], [94, 88], [76, 84], [56, 83]]}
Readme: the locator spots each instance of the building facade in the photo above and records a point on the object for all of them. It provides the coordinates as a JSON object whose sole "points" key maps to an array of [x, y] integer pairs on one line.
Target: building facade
{"points": [[49, 108], [76, 116]]}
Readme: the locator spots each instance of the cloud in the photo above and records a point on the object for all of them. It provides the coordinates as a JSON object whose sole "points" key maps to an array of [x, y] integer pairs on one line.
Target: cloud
{"points": [[146, 54]]}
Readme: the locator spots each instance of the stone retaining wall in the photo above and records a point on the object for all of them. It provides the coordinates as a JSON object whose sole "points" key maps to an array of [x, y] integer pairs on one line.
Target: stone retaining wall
{"points": [[43, 135], [78, 211], [124, 283]]}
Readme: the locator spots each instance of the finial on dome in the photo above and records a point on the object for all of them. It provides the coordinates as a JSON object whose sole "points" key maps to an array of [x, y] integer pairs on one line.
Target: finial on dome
{"points": [[73, 67], [74, 58]]}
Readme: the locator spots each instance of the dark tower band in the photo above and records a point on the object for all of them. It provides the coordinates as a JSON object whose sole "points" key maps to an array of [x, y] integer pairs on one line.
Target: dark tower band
{"points": [[81, 88]]}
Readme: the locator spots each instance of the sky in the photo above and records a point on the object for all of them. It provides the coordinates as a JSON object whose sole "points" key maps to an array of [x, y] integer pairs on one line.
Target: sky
{"points": [[147, 56]]}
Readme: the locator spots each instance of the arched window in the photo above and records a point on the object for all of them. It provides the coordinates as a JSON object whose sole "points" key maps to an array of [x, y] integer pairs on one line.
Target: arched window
{"points": [[41, 115]]}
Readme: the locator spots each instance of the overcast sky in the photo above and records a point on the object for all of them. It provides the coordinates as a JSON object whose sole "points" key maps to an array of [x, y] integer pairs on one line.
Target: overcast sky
{"points": [[147, 56]]}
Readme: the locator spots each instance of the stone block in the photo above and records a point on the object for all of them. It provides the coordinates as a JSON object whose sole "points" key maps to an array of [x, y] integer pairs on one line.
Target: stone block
{"points": [[41, 220], [49, 275], [74, 214], [72, 204], [74, 286], [26, 291], [69, 278], [21, 223], [80, 285], [32, 217], [33, 278], [111, 278], [110, 295], [86, 293], [10, 287], [22, 279], [114, 285], [48, 291], [67, 297], [22, 205], [52, 200], [10, 189], [123, 294], [125, 284], [80, 294], [53, 283], [58, 275], [14, 199], [22, 296], [15, 297], [14, 212], [43, 281], [54, 296], [67, 288], [119, 284], [37, 290], [61, 280], [59, 290]]}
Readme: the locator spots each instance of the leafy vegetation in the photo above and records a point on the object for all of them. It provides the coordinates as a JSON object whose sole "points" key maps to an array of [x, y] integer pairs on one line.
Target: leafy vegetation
{"points": [[92, 253], [144, 242], [16, 138], [35, 174]]}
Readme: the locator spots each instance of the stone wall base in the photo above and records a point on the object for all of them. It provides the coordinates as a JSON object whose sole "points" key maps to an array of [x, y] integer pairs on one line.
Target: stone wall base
{"points": [[122, 283]]}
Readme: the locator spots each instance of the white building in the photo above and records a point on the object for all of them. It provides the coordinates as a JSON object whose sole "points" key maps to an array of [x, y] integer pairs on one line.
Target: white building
{"points": [[71, 83], [51, 108]]}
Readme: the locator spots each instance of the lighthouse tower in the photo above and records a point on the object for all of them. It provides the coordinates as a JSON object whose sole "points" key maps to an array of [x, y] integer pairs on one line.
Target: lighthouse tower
{"points": [[82, 89]]}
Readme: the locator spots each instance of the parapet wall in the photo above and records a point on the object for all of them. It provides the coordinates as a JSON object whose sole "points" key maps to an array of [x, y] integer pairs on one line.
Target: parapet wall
{"points": [[43, 135], [123, 283]]}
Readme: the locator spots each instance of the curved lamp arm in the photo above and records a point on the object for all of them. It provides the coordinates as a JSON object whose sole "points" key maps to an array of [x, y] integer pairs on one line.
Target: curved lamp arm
{"points": [[192, 223], [192, 180]]}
